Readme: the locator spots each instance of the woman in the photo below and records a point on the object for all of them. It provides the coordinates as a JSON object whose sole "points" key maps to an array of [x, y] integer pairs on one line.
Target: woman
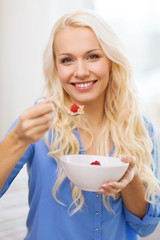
{"points": [[84, 62]]}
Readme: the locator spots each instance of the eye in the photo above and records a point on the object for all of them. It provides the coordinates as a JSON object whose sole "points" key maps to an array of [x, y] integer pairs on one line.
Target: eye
{"points": [[66, 60], [93, 56]]}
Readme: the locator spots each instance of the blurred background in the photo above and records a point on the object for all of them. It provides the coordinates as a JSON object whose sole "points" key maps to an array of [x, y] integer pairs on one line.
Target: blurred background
{"points": [[24, 31]]}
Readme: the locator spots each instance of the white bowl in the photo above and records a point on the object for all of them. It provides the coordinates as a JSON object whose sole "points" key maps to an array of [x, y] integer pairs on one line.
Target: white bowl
{"points": [[90, 177]]}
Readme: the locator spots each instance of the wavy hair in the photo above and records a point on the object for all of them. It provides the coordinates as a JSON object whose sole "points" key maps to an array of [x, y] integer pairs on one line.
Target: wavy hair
{"points": [[123, 121]]}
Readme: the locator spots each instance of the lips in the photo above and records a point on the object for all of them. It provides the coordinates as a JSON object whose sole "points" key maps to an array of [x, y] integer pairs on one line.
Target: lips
{"points": [[84, 84]]}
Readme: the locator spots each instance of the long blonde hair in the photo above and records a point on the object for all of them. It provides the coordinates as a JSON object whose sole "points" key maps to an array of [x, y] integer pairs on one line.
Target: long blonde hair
{"points": [[123, 122]]}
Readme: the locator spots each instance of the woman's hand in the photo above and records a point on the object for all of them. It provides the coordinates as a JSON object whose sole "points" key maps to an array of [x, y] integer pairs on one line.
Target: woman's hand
{"points": [[34, 122], [111, 188]]}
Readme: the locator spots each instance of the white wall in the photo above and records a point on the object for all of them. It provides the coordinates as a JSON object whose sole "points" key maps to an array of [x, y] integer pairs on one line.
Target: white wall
{"points": [[24, 30]]}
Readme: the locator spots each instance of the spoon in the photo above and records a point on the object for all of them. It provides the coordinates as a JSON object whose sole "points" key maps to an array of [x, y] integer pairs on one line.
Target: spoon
{"points": [[70, 113]]}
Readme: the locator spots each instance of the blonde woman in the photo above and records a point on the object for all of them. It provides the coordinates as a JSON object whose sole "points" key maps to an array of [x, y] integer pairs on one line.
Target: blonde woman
{"points": [[84, 62]]}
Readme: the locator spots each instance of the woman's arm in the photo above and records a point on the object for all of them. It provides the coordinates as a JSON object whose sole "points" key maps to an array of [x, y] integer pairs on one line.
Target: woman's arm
{"points": [[131, 188], [31, 126], [11, 150], [133, 194]]}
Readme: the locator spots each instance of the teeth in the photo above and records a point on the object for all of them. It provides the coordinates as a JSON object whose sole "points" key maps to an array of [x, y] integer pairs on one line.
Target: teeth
{"points": [[83, 85]]}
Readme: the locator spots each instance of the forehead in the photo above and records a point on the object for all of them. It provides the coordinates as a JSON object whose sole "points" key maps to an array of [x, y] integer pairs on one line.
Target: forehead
{"points": [[70, 39]]}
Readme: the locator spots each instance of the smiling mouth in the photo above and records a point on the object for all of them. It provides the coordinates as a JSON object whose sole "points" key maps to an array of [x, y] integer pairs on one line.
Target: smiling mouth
{"points": [[85, 84]]}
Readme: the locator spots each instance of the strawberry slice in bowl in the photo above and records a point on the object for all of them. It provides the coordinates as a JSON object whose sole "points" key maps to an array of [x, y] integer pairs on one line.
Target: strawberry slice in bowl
{"points": [[95, 163]]}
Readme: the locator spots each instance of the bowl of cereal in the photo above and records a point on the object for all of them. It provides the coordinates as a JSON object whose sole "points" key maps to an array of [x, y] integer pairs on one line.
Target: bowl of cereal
{"points": [[89, 172]]}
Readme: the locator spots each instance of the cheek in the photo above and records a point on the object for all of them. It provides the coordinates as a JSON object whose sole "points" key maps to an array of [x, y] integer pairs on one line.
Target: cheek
{"points": [[64, 74], [101, 70]]}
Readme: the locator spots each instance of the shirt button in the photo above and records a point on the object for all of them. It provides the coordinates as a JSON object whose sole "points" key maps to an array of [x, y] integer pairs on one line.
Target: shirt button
{"points": [[97, 228], [97, 195], [97, 213]]}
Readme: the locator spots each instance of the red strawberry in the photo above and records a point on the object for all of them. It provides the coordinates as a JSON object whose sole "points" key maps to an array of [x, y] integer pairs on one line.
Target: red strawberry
{"points": [[95, 163], [74, 108]]}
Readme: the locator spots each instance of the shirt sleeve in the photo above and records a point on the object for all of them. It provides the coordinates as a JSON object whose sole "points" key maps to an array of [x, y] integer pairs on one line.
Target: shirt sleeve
{"points": [[151, 219], [27, 156]]}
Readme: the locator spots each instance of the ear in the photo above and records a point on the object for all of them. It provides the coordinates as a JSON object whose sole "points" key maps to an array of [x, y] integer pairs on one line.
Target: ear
{"points": [[110, 67], [55, 66], [54, 60], [109, 63]]}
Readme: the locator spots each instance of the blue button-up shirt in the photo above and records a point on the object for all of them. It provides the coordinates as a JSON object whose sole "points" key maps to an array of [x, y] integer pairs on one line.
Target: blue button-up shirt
{"points": [[49, 220]]}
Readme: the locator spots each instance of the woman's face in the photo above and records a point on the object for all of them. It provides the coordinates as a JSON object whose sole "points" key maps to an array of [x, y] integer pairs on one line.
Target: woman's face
{"points": [[81, 65]]}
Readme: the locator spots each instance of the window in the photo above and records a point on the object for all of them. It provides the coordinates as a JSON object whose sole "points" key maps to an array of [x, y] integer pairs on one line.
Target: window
{"points": [[138, 25]]}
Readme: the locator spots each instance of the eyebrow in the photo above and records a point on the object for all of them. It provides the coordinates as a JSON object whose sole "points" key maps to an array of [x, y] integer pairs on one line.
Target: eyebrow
{"points": [[69, 54]]}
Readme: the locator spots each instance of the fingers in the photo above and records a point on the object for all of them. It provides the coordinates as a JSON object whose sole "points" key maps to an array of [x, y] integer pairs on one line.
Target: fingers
{"points": [[45, 119], [111, 188], [35, 134], [128, 159], [35, 122], [37, 110]]}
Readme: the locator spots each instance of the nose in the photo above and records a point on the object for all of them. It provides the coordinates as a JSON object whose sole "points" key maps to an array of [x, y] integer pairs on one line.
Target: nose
{"points": [[81, 70]]}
